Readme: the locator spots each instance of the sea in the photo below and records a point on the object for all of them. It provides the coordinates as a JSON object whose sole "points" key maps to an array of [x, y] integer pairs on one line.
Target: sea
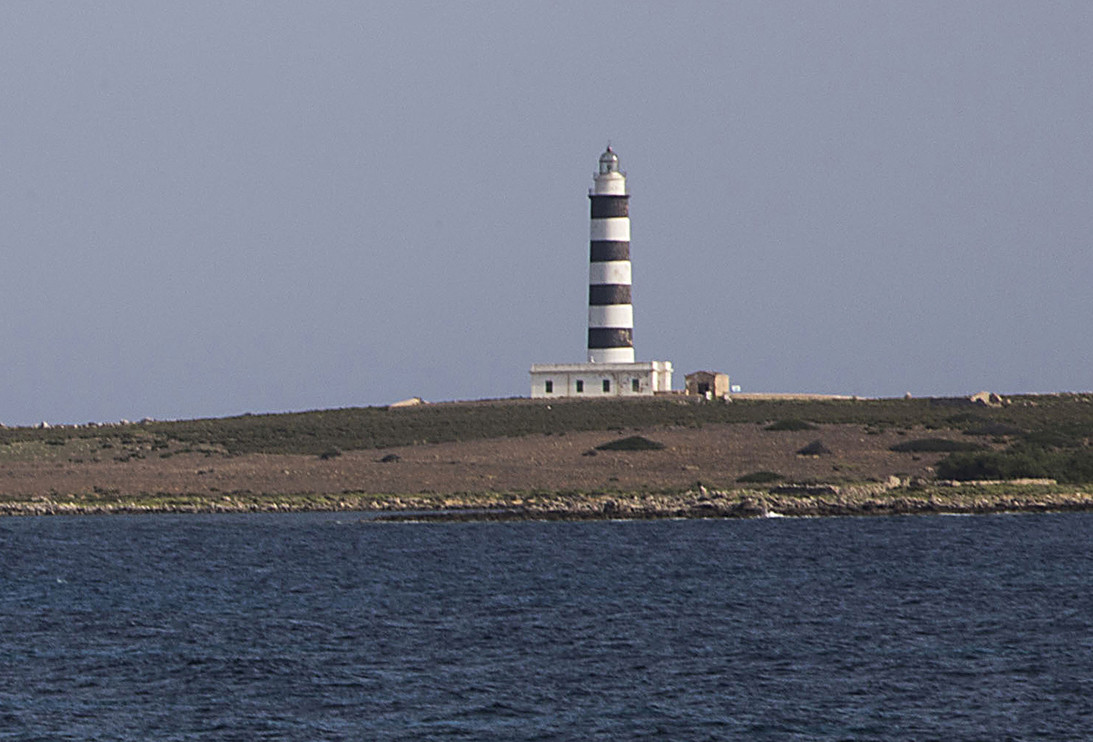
{"points": [[333, 626]]}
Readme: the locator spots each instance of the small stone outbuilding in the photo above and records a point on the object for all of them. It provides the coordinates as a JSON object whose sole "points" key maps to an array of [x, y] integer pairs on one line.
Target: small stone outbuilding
{"points": [[708, 384]]}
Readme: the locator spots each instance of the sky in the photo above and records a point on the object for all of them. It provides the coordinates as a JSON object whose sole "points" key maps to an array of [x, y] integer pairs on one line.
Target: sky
{"points": [[211, 208]]}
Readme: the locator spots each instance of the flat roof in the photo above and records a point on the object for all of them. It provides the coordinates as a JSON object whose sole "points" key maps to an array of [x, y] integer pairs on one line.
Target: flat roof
{"points": [[592, 368]]}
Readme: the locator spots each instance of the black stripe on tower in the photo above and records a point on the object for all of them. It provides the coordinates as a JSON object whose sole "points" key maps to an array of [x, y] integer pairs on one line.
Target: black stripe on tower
{"points": [[610, 337], [605, 250], [604, 294], [609, 207]]}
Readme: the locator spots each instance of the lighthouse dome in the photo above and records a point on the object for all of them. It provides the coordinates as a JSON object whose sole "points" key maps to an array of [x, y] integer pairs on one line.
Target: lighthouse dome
{"points": [[609, 181], [609, 162]]}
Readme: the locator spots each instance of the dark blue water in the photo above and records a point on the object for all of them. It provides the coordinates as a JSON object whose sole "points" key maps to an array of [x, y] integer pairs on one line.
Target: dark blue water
{"points": [[322, 627]]}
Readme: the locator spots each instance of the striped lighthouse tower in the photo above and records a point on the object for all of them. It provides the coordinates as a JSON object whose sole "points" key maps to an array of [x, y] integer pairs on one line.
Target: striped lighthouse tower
{"points": [[611, 370], [610, 313]]}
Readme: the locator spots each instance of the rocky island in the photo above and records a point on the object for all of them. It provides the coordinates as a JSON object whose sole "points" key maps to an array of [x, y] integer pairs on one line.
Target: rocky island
{"points": [[521, 459]]}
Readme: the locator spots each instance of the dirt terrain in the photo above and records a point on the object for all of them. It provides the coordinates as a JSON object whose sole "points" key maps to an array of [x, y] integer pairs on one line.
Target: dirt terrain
{"points": [[713, 456]]}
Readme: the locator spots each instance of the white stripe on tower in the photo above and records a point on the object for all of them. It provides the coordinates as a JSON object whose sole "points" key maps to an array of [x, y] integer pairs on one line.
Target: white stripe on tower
{"points": [[610, 229], [616, 272], [610, 313]]}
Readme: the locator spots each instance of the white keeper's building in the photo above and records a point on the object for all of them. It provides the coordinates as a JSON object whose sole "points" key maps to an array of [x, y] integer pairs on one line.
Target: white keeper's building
{"points": [[611, 370]]}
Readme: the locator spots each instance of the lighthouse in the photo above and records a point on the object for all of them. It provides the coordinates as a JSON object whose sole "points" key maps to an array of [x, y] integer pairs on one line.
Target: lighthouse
{"points": [[610, 312], [611, 370]]}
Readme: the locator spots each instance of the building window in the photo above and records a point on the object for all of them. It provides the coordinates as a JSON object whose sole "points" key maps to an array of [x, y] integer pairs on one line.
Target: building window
{"points": [[548, 386], [635, 385], [606, 385], [580, 386]]}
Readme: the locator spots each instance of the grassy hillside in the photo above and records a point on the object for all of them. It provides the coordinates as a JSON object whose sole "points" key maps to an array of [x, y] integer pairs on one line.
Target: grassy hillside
{"points": [[1048, 421]]}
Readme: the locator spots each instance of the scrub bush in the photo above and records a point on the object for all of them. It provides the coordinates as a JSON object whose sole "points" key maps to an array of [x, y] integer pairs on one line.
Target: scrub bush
{"points": [[633, 443], [816, 448]]}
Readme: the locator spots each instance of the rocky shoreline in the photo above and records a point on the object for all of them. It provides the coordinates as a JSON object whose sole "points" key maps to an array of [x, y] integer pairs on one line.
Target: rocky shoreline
{"points": [[785, 501], [763, 505]]}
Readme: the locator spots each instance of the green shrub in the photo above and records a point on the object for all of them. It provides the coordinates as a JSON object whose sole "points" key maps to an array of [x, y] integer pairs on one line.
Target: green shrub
{"points": [[993, 429], [633, 443], [990, 465], [791, 424], [330, 453], [934, 445], [1058, 437], [1073, 466], [760, 477]]}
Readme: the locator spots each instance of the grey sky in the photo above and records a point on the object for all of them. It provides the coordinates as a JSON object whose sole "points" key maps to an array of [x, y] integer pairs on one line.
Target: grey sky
{"points": [[213, 208]]}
